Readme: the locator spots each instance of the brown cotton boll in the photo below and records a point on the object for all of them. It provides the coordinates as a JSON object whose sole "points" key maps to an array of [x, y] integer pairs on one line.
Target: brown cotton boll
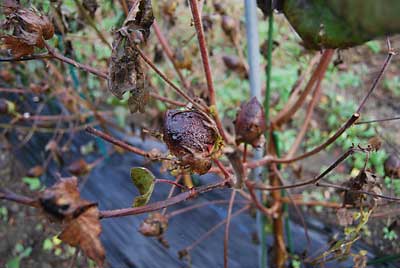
{"points": [[191, 137], [250, 123]]}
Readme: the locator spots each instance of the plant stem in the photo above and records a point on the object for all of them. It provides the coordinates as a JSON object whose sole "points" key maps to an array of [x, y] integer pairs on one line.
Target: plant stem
{"points": [[228, 222]]}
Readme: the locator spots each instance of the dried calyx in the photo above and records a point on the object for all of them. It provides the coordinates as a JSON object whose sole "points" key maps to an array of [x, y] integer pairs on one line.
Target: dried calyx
{"points": [[28, 29], [126, 71], [250, 123], [192, 137]]}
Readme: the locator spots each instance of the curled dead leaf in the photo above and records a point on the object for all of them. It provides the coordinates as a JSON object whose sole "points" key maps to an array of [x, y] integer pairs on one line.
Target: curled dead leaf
{"points": [[126, 70], [78, 217], [29, 29]]}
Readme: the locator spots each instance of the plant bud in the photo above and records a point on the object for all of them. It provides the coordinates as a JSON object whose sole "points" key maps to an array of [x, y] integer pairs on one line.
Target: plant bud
{"points": [[392, 166]]}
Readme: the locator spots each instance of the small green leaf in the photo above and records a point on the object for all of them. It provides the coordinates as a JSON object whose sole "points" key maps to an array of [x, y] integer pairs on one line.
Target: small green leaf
{"points": [[13, 263], [144, 182], [33, 183]]}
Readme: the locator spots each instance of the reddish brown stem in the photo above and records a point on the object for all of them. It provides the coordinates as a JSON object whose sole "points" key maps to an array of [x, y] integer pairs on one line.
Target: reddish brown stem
{"points": [[167, 100], [78, 65], [10, 196], [169, 82], [222, 168], [319, 72], [117, 142], [170, 182], [198, 24], [170, 55], [307, 120], [190, 208], [162, 204]]}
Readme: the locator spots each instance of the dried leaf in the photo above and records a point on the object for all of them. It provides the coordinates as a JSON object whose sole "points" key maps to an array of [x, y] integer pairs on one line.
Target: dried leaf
{"points": [[29, 29], [144, 182], [155, 225], [84, 231], [79, 217], [392, 166], [125, 70]]}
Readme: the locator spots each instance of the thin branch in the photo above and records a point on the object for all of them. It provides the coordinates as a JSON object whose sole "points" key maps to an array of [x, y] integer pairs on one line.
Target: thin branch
{"points": [[169, 82], [10, 196], [319, 72], [378, 120], [167, 100], [171, 183], [269, 159], [26, 58], [198, 24], [116, 142], [162, 204], [267, 211], [78, 65], [311, 181], [228, 222], [323, 184], [388, 59], [304, 127], [195, 206], [170, 55]]}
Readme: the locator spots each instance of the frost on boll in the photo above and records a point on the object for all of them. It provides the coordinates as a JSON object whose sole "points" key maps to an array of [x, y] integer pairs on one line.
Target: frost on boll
{"points": [[191, 137], [250, 123]]}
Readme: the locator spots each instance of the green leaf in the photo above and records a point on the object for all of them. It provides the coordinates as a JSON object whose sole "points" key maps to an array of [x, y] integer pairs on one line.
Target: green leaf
{"points": [[13, 263], [144, 182], [33, 183]]}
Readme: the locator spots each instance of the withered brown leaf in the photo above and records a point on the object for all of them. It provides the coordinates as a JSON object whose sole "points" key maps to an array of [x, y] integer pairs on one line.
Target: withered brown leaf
{"points": [[80, 218], [28, 29], [126, 70]]}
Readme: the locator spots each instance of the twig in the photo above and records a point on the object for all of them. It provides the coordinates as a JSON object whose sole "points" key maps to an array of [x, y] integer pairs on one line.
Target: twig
{"points": [[206, 65], [78, 65], [289, 111], [304, 127], [228, 222], [198, 24], [10, 196], [269, 159], [117, 142], [169, 82], [311, 181], [267, 211], [170, 55], [377, 120], [170, 182], [167, 100], [162, 204], [323, 184], [195, 206], [389, 57]]}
